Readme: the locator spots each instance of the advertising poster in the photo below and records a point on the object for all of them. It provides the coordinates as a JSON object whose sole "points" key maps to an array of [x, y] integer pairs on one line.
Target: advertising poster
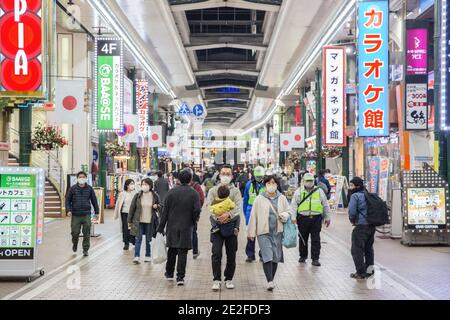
{"points": [[142, 106], [334, 64], [416, 106], [18, 216], [383, 178], [373, 68], [21, 48], [108, 84], [416, 54], [127, 96], [426, 208], [374, 169]]}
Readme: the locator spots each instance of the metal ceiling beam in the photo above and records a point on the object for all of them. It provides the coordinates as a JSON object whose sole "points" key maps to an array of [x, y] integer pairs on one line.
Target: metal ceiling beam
{"points": [[207, 38], [225, 85], [226, 71], [226, 45], [226, 3], [228, 98]]}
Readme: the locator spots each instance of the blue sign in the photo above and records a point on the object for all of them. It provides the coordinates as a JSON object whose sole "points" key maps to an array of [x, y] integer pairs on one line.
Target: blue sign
{"points": [[373, 68], [184, 110], [208, 133], [198, 110], [425, 4]]}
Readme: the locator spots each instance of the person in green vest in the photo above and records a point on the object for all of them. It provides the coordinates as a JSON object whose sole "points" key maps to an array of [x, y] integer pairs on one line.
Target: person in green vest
{"points": [[252, 190], [310, 205]]}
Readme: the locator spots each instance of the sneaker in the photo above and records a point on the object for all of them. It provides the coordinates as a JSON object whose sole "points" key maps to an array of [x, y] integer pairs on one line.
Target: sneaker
{"points": [[196, 255], [316, 263], [358, 276], [302, 260], [75, 248], [136, 260], [270, 286], [169, 277], [126, 247], [229, 284], [250, 259], [180, 283], [148, 259], [216, 286], [85, 253]]}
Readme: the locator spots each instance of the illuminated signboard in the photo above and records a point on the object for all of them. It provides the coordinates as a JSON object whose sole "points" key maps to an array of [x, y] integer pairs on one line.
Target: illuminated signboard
{"points": [[334, 66], [416, 51], [142, 106], [426, 208], [445, 66], [21, 48], [373, 68], [108, 84]]}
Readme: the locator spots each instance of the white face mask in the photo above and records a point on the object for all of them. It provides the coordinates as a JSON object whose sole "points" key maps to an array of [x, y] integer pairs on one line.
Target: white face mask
{"points": [[271, 188], [131, 187], [82, 181], [225, 180], [145, 188], [309, 184]]}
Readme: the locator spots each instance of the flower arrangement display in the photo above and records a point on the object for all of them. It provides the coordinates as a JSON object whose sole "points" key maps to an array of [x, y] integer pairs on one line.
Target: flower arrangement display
{"points": [[331, 152], [46, 138], [113, 149], [310, 155]]}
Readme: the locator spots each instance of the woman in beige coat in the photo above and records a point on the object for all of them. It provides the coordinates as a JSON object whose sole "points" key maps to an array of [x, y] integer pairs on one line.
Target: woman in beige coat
{"points": [[269, 213], [123, 208]]}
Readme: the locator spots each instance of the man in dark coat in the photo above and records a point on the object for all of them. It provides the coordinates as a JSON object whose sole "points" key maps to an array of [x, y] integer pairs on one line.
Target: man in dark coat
{"points": [[161, 186], [180, 212]]}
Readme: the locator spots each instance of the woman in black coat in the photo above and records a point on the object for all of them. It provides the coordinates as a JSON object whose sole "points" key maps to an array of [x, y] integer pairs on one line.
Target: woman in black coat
{"points": [[180, 212]]}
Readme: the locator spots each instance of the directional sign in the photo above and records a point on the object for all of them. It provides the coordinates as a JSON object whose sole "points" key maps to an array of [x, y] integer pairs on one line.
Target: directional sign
{"points": [[208, 133], [184, 109], [198, 110]]}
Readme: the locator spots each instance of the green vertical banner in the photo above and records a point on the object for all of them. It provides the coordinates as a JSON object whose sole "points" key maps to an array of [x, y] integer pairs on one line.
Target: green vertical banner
{"points": [[108, 84]]}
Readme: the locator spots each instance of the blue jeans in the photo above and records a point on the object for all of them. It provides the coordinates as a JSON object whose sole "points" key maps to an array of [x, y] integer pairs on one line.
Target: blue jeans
{"points": [[144, 230], [194, 240]]}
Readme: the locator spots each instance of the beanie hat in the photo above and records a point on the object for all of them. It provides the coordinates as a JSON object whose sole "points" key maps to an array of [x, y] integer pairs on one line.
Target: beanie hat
{"points": [[358, 182]]}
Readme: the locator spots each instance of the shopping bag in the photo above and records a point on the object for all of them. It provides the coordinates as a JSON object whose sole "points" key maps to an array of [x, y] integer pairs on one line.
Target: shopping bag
{"points": [[159, 249], [290, 235]]}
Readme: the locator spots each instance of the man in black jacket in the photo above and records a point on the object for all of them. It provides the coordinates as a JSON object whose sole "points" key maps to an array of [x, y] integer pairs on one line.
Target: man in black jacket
{"points": [[78, 206], [161, 186], [180, 212]]}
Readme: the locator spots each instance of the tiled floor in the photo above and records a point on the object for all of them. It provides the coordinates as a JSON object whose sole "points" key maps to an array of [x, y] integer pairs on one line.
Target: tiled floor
{"points": [[108, 273]]}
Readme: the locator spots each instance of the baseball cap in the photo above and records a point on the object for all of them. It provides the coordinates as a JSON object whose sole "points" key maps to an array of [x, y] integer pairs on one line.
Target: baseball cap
{"points": [[308, 177]]}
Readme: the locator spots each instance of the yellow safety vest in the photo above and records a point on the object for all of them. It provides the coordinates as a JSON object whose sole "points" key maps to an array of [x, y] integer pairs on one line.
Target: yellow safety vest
{"points": [[312, 204]]}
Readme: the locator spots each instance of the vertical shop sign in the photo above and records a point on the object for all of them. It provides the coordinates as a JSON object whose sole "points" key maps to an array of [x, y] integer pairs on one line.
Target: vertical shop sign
{"points": [[374, 169], [416, 51], [127, 96], [416, 106], [384, 178], [334, 66], [373, 68], [445, 66], [109, 84], [142, 106], [21, 48]]}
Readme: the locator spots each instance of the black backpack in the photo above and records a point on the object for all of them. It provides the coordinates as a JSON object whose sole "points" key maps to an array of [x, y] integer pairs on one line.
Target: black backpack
{"points": [[377, 210]]}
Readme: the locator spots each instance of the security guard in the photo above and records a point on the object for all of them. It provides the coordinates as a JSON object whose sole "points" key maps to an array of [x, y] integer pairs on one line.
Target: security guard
{"points": [[252, 190], [310, 205]]}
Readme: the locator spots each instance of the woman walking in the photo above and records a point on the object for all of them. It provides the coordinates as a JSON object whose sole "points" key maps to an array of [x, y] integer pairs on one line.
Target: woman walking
{"points": [[143, 218], [270, 211], [123, 208]]}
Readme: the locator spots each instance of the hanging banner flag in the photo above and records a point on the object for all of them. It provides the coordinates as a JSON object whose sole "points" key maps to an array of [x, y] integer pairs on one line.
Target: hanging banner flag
{"points": [[298, 137], [373, 68], [142, 106], [131, 123], [416, 106], [172, 145], [155, 136], [21, 48], [416, 51], [285, 142], [127, 96], [69, 102], [108, 90], [334, 66]]}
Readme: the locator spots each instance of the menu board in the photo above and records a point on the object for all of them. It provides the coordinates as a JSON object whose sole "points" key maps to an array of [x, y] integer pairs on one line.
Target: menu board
{"points": [[17, 216]]}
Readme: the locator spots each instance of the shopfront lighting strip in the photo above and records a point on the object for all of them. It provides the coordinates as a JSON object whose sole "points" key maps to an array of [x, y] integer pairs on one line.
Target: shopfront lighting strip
{"points": [[120, 30], [444, 66]]}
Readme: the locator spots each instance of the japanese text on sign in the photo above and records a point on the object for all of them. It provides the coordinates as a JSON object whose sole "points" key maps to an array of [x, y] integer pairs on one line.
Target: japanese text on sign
{"points": [[142, 106], [373, 68], [334, 96], [416, 106]]}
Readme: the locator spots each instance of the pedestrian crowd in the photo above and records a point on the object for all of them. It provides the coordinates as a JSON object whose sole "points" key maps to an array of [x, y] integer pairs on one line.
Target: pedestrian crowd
{"points": [[171, 205]]}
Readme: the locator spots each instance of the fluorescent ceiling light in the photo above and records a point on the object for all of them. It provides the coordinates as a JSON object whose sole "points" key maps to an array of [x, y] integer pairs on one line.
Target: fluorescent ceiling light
{"points": [[105, 11]]}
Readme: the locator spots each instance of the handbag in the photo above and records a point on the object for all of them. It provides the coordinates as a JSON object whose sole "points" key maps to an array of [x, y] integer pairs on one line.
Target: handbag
{"points": [[227, 229]]}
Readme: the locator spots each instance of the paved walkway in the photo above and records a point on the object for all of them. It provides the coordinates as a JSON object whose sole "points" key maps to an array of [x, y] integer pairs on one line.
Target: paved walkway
{"points": [[108, 273]]}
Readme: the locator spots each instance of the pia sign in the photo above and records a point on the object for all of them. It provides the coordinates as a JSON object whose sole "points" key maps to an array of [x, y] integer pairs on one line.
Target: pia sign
{"points": [[21, 48]]}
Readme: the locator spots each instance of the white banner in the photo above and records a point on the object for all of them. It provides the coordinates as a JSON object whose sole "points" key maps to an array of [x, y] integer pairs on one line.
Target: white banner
{"points": [[172, 145], [241, 144], [69, 102], [155, 136], [131, 122], [127, 96], [298, 137], [285, 142], [416, 106], [334, 95]]}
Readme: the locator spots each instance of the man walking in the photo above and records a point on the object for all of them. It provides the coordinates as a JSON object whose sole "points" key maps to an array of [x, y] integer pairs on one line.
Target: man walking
{"points": [[161, 186], [180, 212], [310, 205], [78, 206], [226, 235]]}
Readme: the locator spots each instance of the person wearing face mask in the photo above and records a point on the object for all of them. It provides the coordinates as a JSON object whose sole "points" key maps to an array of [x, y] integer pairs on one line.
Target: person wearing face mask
{"points": [[269, 213], [79, 200], [228, 231], [123, 208], [143, 218], [252, 190], [310, 206]]}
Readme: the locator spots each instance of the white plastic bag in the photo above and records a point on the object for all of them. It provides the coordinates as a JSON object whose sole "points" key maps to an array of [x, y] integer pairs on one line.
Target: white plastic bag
{"points": [[159, 249]]}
